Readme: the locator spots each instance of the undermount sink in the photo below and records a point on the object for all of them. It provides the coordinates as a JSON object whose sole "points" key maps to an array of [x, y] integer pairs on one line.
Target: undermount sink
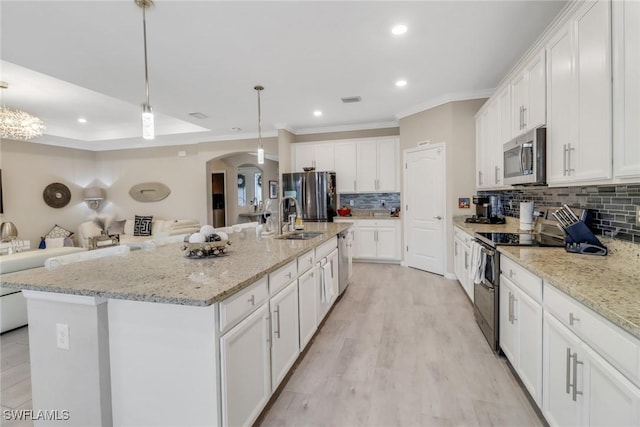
{"points": [[300, 235]]}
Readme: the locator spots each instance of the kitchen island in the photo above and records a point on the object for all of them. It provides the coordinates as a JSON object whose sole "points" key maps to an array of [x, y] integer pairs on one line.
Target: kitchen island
{"points": [[150, 338]]}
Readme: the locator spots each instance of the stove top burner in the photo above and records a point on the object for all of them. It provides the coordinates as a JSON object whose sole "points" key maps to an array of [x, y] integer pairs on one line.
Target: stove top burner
{"points": [[483, 220], [518, 239]]}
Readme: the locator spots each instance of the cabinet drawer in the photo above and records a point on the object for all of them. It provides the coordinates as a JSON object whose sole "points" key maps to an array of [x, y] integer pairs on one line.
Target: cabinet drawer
{"points": [[521, 277], [238, 306], [462, 235], [306, 261], [325, 249], [618, 347], [282, 277]]}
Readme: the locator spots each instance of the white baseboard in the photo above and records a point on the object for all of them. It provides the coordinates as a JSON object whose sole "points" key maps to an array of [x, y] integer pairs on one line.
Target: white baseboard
{"points": [[450, 276]]}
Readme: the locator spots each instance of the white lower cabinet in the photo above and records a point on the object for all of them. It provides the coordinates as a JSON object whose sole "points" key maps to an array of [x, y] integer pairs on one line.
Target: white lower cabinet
{"points": [[377, 240], [245, 366], [462, 260], [521, 335], [580, 387], [284, 332], [327, 284], [308, 305]]}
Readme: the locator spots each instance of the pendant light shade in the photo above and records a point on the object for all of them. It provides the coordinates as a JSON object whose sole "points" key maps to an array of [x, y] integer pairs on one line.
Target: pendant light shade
{"points": [[258, 89], [148, 129]]}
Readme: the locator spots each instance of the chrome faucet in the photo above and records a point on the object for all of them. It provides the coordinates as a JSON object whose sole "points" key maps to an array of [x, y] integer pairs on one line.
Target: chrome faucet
{"points": [[280, 223]]}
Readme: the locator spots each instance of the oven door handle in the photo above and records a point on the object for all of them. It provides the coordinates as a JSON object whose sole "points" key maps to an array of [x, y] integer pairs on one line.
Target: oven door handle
{"points": [[488, 252]]}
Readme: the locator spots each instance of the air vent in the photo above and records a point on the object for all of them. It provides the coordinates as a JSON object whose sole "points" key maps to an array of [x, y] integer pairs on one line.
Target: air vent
{"points": [[350, 99], [198, 115]]}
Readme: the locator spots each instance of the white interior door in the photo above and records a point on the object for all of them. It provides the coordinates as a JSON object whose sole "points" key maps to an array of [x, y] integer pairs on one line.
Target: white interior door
{"points": [[424, 182]]}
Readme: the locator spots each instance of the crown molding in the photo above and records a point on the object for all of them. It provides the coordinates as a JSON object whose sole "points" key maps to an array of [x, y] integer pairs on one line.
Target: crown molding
{"points": [[347, 128]]}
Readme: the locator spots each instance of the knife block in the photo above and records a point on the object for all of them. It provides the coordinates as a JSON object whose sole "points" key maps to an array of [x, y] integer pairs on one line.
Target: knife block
{"points": [[580, 239]]}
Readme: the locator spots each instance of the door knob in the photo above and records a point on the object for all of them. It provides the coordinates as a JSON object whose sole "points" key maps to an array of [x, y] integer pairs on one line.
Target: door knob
{"points": [[437, 217]]}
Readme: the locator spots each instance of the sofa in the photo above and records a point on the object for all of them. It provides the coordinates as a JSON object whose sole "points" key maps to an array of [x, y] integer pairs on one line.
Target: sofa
{"points": [[13, 307], [159, 229]]}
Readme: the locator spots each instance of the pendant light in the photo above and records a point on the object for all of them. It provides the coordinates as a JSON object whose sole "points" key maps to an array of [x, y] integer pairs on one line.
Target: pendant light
{"points": [[260, 148], [148, 131]]}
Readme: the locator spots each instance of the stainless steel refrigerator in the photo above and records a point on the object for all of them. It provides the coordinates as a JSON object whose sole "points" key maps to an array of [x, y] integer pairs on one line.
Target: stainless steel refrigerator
{"points": [[314, 191]]}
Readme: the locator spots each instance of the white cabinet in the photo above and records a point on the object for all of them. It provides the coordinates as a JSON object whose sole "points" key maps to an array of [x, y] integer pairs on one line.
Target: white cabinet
{"points": [[482, 151], [528, 96], [345, 166], [491, 133], [318, 155], [461, 260], [308, 305], [327, 284], [580, 387], [284, 332], [579, 146], [521, 334], [626, 88], [377, 165], [377, 240], [245, 369]]}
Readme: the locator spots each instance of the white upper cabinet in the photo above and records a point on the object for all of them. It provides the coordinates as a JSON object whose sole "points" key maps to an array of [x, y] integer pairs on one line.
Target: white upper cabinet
{"points": [[345, 166], [377, 166], [626, 88], [482, 144], [367, 166], [579, 140], [317, 155], [492, 131], [528, 96]]}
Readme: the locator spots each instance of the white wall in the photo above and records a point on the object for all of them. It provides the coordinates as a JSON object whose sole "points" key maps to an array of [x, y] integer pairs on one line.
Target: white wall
{"points": [[27, 168]]}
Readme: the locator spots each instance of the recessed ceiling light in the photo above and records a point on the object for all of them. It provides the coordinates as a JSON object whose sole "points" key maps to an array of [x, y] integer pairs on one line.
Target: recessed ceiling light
{"points": [[236, 129], [317, 113], [82, 120], [399, 29], [401, 83]]}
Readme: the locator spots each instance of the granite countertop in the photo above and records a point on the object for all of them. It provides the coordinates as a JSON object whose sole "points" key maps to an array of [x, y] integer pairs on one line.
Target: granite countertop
{"points": [[164, 275], [608, 285]]}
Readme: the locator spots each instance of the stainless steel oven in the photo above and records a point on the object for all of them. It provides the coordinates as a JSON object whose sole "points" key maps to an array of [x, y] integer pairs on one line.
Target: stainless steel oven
{"points": [[486, 296]]}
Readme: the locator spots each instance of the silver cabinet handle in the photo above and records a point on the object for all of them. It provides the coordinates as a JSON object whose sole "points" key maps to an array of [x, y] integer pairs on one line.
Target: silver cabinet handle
{"points": [[288, 275], [355, 187], [495, 175], [564, 159], [252, 300], [573, 319], [510, 308], [376, 236], [455, 248], [277, 313], [511, 273], [576, 362], [437, 217], [480, 178], [569, 149], [466, 260], [524, 117], [568, 380], [513, 309]]}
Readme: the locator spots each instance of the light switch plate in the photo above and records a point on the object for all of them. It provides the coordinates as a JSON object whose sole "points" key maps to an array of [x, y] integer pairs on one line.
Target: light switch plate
{"points": [[62, 336]]}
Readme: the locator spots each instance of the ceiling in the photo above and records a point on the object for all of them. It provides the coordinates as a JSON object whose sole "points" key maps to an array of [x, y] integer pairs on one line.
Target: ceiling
{"points": [[69, 59]]}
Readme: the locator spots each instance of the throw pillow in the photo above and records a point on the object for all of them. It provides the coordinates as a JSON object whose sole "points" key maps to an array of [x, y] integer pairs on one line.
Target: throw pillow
{"points": [[142, 225], [58, 231], [54, 242], [117, 227]]}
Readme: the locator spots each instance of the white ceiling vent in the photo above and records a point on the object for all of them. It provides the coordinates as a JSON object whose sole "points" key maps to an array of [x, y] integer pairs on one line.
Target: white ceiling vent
{"points": [[350, 99], [198, 115]]}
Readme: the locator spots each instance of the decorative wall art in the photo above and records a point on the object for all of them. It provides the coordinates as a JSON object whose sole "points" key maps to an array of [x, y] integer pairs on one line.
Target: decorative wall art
{"points": [[56, 195], [149, 192]]}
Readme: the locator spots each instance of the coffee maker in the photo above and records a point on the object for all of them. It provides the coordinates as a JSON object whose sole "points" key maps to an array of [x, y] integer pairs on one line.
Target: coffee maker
{"points": [[484, 214]]}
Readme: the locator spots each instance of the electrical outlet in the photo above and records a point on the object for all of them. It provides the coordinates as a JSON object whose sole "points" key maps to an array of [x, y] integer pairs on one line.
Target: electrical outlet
{"points": [[638, 215], [62, 336], [352, 203]]}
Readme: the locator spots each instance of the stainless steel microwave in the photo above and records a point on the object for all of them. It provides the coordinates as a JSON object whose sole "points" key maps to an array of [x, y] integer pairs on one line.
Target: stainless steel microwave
{"points": [[525, 158]]}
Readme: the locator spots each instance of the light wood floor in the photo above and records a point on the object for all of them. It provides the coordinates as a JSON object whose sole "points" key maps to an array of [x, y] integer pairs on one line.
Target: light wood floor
{"points": [[401, 348]]}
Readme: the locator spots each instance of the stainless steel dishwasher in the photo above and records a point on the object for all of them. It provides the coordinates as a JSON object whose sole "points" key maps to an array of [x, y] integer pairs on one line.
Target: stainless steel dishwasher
{"points": [[345, 258]]}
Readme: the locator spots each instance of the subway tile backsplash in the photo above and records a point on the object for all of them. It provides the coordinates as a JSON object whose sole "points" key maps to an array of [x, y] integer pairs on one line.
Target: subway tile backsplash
{"points": [[614, 206], [370, 200]]}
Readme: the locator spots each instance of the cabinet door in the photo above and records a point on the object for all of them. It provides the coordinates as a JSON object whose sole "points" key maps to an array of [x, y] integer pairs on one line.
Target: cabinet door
{"points": [[458, 260], [536, 109], [593, 73], [346, 167], [558, 407], [518, 90], [307, 306], [560, 105], [285, 332], [610, 399], [482, 148], [468, 283], [365, 242], [304, 156], [367, 165], [332, 258], [387, 166], [507, 322], [387, 242], [626, 86], [528, 322], [324, 156], [245, 369]]}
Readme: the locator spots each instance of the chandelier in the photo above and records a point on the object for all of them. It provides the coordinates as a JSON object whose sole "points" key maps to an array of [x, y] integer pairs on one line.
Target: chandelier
{"points": [[18, 124]]}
